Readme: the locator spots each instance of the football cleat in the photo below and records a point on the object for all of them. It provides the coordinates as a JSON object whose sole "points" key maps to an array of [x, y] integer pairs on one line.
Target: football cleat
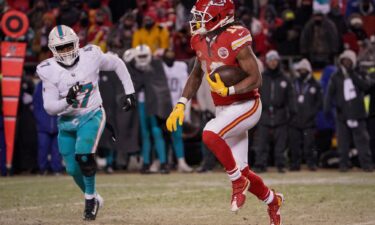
{"points": [[274, 209], [92, 207], [239, 188]]}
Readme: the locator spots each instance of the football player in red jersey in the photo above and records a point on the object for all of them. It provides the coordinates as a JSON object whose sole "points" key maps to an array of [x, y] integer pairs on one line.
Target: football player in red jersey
{"points": [[217, 41]]}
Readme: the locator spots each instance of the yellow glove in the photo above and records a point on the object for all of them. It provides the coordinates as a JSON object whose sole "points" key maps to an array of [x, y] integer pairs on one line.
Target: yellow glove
{"points": [[218, 86], [176, 114]]}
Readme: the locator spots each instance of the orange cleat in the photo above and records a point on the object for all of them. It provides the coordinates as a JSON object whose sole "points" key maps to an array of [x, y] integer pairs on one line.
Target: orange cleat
{"points": [[240, 188], [274, 209]]}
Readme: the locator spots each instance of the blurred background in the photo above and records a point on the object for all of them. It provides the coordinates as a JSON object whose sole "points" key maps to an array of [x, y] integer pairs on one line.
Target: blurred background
{"points": [[293, 130]]}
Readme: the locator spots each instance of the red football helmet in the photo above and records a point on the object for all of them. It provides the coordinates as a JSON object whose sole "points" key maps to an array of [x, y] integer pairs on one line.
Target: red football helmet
{"points": [[209, 15]]}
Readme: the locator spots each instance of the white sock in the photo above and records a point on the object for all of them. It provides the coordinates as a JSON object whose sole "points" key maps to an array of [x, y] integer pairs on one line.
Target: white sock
{"points": [[89, 196], [270, 197], [234, 174]]}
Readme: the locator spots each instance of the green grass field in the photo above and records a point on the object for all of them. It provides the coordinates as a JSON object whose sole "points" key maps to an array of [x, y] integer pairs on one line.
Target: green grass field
{"points": [[324, 198]]}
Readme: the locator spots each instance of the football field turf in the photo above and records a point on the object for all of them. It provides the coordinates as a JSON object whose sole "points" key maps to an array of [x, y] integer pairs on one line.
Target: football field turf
{"points": [[324, 198]]}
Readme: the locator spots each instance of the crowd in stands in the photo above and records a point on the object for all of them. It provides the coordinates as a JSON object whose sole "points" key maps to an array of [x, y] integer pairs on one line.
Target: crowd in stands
{"points": [[318, 93]]}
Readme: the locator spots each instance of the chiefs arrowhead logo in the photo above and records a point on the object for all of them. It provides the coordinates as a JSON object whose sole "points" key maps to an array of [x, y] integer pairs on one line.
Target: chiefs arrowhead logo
{"points": [[223, 53]]}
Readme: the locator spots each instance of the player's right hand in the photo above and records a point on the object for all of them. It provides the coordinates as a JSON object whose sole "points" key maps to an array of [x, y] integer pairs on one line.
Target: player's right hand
{"points": [[72, 93], [176, 114]]}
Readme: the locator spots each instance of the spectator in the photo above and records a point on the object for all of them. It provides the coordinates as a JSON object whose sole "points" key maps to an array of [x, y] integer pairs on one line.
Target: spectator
{"points": [[152, 35], [346, 88], [26, 147], [177, 75], [154, 104], [363, 7], [37, 13], [256, 28], [120, 37], [68, 14], [98, 31], [270, 22], [355, 34], [366, 61], [319, 41], [302, 129], [287, 35], [277, 100], [181, 43], [325, 123], [336, 16], [47, 136], [304, 12], [40, 42]]}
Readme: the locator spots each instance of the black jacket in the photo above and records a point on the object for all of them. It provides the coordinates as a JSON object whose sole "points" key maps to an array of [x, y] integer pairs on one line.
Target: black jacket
{"points": [[308, 105], [372, 95], [155, 85], [277, 99], [352, 109]]}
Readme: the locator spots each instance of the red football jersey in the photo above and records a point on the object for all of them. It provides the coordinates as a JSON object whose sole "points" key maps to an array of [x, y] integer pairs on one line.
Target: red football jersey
{"points": [[223, 50]]}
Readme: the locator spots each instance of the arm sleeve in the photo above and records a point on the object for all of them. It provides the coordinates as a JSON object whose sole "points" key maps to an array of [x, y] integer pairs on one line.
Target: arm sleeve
{"points": [[51, 99], [110, 62]]}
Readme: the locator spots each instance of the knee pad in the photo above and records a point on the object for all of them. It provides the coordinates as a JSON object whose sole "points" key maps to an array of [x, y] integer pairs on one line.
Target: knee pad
{"points": [[87, 163]]}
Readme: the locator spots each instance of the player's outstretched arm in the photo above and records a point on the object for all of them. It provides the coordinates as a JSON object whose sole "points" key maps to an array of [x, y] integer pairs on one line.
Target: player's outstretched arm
{"points": [[248, 63], [111, 62], [191, 87]]}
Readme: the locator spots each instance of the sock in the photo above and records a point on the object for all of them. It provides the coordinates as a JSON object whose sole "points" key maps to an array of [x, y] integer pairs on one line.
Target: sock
{"points": [[257, 187], [88, 196], [234, 175], [222, 152], [89, 185]]}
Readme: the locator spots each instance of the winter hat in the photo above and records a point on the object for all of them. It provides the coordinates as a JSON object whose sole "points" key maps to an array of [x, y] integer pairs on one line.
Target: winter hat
{"points": [[349, 54], [303, 64], [271, 55]]}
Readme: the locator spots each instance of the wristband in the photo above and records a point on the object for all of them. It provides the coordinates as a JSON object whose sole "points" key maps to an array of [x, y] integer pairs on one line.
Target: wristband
{"points": [[231, 90], [183, 100]]}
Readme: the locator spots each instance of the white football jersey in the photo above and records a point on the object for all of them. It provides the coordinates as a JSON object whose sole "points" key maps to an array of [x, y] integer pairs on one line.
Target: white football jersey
{"points": [[177, 76], [58, 79]]}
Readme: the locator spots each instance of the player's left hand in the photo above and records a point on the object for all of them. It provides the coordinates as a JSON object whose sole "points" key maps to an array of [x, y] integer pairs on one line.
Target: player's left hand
{"points": [[217, 86], [129, 102]]}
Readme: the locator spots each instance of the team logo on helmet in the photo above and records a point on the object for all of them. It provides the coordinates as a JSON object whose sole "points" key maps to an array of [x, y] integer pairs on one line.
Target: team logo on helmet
{"points": [[223, 53]]}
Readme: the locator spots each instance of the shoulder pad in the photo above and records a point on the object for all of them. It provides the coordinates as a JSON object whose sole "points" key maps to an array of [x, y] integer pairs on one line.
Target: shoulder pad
{"points": [[91, 50], [44, 69], [239, 36]]}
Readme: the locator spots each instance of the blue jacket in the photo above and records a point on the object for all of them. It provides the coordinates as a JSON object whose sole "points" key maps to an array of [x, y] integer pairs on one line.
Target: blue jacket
{"points": [[326, 121], [44, 122]]}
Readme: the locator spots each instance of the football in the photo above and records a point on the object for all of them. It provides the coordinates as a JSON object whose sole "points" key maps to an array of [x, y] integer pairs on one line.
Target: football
{"points": [[230, 75]]}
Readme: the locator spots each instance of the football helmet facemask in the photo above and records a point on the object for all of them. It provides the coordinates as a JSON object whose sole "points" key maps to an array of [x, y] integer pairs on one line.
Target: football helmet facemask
{"points": [[64, 44], [209, 15]]}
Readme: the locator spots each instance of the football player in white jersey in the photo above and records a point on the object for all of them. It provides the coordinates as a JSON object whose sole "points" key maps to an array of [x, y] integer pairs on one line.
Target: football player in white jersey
{"points": [[70, 90]]}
